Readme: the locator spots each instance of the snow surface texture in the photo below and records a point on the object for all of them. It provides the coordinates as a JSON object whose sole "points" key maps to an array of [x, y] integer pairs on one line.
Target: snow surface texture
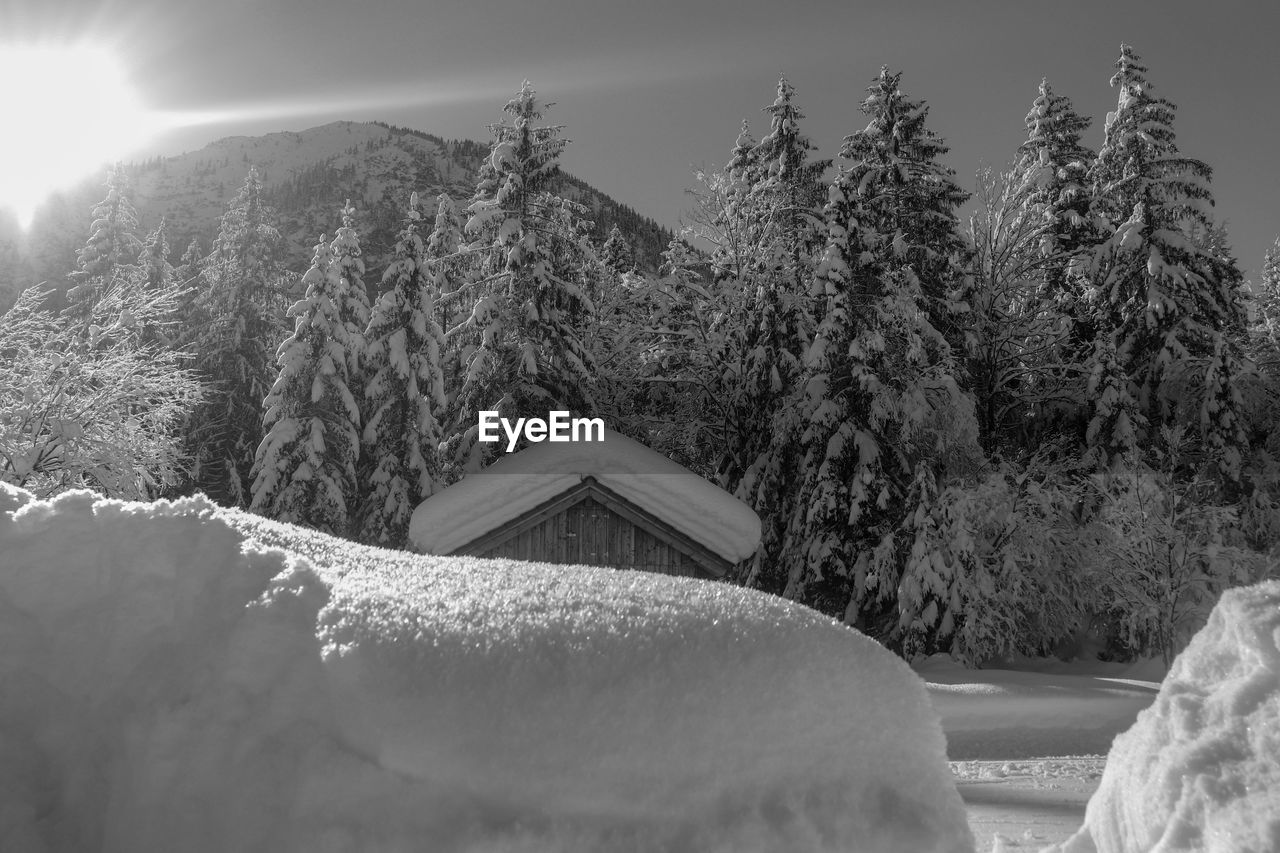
{"points": [[170, 680], [521, 481], [1200, 769], [1064, 709]]}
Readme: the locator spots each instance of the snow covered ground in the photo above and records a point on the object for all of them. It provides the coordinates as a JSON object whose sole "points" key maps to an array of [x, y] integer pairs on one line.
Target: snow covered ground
{"points": [[171, 679], [1026, 805], [1043, 708], [1192, 761], [173, 682], [1027, 745]]}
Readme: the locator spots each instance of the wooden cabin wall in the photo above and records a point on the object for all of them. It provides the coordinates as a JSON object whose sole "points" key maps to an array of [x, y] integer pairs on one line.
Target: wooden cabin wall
{"points": [[589, 533]]}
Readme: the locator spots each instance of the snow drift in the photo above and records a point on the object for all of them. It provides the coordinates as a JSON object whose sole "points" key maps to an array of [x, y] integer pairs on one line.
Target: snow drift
{"points": [[1200, 769], [173, 680]]}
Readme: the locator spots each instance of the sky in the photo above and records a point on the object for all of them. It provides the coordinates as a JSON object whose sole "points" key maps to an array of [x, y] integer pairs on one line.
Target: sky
{"points": [[650, 91]]}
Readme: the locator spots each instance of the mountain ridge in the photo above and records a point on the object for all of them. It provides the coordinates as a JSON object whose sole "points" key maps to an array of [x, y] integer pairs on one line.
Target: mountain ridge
{"points": [[307, 176]]}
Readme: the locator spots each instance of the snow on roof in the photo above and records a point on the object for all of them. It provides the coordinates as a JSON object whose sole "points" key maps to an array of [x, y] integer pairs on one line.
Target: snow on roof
{"points": [[180, 677], [1200, 768], [522, 481]]}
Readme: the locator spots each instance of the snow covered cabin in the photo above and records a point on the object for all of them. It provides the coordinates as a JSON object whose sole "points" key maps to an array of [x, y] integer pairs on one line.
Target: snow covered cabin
{"points": [[601, 503]]}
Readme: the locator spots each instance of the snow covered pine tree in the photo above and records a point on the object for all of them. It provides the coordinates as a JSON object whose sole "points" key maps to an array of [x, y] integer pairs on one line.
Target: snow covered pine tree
{"points": [[525, 354], [305, 467], [113, 242], [774, 310], [616, 253], [236, 324], [879, 401], [1164, 304], [404, 393]]}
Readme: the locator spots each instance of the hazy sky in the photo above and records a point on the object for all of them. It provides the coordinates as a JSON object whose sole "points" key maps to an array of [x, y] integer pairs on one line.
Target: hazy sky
{"points": [[649, 89]]}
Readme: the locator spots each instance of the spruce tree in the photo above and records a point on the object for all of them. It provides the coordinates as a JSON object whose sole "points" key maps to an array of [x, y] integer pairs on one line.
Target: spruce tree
{"points": [[1266, 297], [677, 316], [761, 214], [848, 499], [188, 269], [1139, 160], [188, 278], [1029, 325], [447, 265], [908, 197], [1263, 339], [786, 198], [404, 395], [237, 323], [448, 262], [728, 220], [777, 315], [616, 253], [789, 192], [1056, 163], [1163, 300], [350, 295], [446, 234], [113, 243], [153, 260], [524, 354], [879, 394], [155, 280], [741, 164], [305, 467], [1118, 422], [1222, 421]]}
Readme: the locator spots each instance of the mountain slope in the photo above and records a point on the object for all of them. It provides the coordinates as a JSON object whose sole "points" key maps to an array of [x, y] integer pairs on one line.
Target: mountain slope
{"points": [[306, 175]]}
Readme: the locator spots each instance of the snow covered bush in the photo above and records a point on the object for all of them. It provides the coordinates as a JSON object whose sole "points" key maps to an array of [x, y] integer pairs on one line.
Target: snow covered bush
{"points": [[1260, 396], [1027, 558], [997, 566], [174, 681], [1200, 769], [95, 403], [1260, 520], [1169, 550]]}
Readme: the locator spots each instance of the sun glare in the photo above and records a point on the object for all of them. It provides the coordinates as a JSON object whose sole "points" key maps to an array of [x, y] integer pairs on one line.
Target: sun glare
{"points": [[68, 110]]}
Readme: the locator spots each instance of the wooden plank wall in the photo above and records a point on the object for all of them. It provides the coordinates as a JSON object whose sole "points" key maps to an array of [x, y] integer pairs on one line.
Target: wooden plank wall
{"points": [[589, 533]]}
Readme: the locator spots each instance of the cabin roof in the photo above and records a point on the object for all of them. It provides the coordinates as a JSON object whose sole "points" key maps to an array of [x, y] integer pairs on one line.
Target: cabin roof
{"points": [[709, 563], [524, 481]]}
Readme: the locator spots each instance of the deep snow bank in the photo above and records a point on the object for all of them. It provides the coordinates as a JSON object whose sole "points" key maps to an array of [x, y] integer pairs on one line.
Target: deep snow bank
{"points": [[155, 681], [167, 682], [1200, 769]]}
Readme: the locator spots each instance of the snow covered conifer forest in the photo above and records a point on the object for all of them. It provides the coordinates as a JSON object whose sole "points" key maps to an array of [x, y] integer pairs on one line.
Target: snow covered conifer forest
{"points": [[1049, 422]]}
